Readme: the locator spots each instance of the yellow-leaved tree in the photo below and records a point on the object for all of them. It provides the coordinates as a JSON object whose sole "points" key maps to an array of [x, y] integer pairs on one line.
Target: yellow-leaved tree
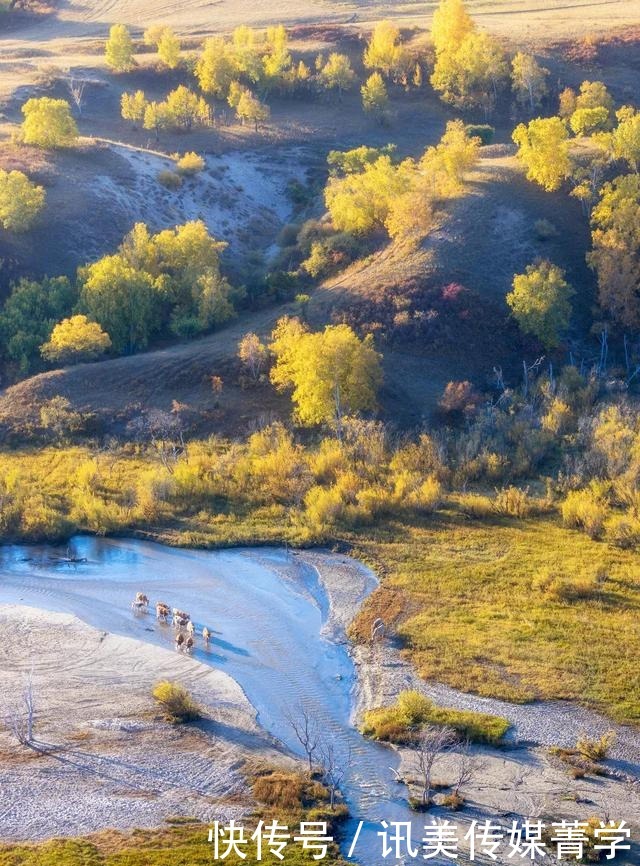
{"points": [[615, 222], [470, 67], [385, 52], [541, 302], [75, 339], [332, 373], [118, 49], [48, 123], [543, 148], [20, 201]]}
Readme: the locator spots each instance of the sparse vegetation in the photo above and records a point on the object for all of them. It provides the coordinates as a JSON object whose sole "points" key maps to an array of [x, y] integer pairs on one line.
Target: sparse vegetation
{"points": [[176, 702], [403, 722]]}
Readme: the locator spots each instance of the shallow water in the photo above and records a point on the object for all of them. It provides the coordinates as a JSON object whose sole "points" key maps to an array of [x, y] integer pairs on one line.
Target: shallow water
{"points": [[266, 635]]}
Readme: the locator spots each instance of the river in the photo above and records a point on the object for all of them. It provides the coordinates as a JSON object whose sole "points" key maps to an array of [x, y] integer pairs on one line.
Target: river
{"points": [[266, 609]]}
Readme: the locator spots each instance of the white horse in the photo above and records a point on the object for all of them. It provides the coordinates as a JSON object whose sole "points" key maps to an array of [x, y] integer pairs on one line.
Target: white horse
{"points": [[206, 635], [191, 629], [140, 602]]}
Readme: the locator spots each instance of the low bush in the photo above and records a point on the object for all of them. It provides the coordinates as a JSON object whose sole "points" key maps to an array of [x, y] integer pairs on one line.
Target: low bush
{"points": [[513, 502], [176, 702], [596, 749], [483, 131], [584, 509], [169, 179], [189, 164], [545, 230], [401, 722]]}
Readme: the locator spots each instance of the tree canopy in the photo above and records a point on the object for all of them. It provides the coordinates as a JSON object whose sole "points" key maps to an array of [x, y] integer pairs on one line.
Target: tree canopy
{"points": [[119, 49], [543, 149], [20, 201], [48, 123], [75, 339], [332, 373], [615, 222], [541, 302]]}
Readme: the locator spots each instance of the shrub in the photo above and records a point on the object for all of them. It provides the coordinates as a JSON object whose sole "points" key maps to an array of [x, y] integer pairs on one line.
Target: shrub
{"points": [[623, 531], [545, 230], [169, 179], [566, 589], [400, 723], [189, 164], [583, 509], [513, 502], [176, 702], [427, 497], [475, 505], [596, 749], [483, 131], [454, 802]]}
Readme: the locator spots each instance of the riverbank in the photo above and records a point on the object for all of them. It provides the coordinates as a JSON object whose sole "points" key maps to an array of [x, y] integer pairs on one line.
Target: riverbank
{"points": [[523, 778], [106, 758], [126, 768]]}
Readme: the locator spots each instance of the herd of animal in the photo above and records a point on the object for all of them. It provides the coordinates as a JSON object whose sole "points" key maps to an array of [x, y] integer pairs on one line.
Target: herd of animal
{"points": [[181, 621]]}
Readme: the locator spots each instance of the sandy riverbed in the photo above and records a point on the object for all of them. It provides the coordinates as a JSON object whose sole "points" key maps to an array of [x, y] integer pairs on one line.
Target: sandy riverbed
{"points": [[118, 765]]}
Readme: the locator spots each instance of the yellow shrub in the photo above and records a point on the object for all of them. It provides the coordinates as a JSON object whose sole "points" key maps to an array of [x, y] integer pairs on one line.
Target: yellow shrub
{"points": [[190, 163], [324, 506], [513, 502], [176, 702], [428, 496], [583, 509]]}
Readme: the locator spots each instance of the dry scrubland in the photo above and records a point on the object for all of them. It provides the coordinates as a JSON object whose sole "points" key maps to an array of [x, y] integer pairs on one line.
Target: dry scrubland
{"points": [[506, 538]]}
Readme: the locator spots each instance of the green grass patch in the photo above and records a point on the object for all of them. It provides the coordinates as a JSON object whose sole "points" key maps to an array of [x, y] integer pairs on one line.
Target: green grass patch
{"points": [[401, 722]]}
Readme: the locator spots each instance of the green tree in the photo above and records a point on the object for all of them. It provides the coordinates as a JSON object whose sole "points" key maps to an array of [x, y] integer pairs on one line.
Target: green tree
{"points": [[375, 99], [75, 339], [122, 299], [543, 149], [216, 67], [28, 317], [332, 373], [133, 106], [48, 123], [615, 223], [337, 73], [119, 49], [528, 80], [541, 302], [20, 201]]}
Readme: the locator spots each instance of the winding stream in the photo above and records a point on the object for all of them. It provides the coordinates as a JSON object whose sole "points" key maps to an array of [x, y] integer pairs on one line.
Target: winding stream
{"points": [[266, 615]]}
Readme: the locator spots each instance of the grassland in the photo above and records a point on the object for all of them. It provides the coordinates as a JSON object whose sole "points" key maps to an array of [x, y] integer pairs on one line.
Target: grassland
{"points": [[513, 608]]}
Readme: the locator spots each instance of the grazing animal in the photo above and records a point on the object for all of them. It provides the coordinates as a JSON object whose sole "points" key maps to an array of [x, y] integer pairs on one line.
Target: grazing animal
{"points": [[180, 618], [140, 602], [191, 629], [179, 641], [162, 611], [189, 644], [206, 634]]}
